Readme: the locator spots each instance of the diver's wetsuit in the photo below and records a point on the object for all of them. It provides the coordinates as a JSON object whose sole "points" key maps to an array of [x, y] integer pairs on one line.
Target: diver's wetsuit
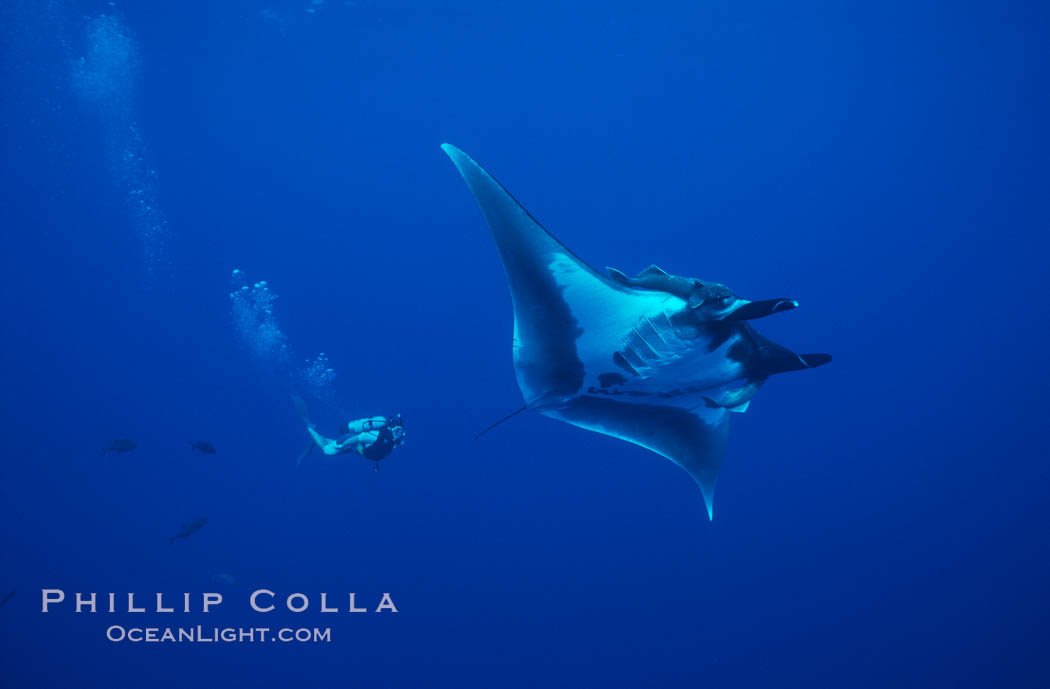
{"points": [[384, 444]]}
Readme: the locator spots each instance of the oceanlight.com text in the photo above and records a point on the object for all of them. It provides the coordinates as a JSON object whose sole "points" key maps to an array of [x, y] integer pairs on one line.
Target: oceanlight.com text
{"points": [[207, 635]]}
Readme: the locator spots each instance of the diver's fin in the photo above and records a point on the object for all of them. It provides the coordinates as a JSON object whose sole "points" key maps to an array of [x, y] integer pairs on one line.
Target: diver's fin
{"points": [[300, 409], [302, 455]]}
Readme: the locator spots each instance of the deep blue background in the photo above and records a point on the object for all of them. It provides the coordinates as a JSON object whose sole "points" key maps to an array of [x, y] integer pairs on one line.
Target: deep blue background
{"points": [[880, 521]]}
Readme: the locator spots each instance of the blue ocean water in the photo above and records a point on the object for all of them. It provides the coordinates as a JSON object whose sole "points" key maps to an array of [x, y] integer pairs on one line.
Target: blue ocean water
{"points": [[880, 521]]}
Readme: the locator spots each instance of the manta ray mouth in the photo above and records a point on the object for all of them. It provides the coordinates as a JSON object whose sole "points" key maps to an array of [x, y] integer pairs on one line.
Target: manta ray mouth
{"points": [[761, 309]]}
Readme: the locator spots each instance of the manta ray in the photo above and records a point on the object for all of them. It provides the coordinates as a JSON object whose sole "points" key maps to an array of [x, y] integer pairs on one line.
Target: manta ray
{"points": [[657, 360]]}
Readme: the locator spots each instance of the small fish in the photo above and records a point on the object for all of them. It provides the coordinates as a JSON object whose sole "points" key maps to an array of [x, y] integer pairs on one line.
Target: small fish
{"points": [[224, 578], [10, 594], [202, 447], [120, 445], [188, 529]]}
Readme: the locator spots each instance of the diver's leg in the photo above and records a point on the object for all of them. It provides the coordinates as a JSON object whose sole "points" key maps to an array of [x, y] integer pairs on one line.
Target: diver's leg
{"points": [[358, 442], [318, 438], [327, 445]]}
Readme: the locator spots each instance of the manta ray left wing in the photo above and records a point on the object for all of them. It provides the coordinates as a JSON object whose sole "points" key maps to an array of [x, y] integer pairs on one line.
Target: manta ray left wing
{"points": [[596, 353]]}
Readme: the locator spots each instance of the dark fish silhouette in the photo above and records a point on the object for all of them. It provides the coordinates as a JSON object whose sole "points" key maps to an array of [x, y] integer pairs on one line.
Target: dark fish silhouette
{"points": [[120, 445], [202, 447], [188, 529], [6, 598]]}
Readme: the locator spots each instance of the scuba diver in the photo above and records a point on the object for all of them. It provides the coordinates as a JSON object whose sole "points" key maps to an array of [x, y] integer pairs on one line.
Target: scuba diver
{"points": [[373, 438]]}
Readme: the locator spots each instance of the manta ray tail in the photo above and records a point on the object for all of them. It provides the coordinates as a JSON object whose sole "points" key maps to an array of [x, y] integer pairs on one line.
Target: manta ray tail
{"points": [[505, 418]]}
